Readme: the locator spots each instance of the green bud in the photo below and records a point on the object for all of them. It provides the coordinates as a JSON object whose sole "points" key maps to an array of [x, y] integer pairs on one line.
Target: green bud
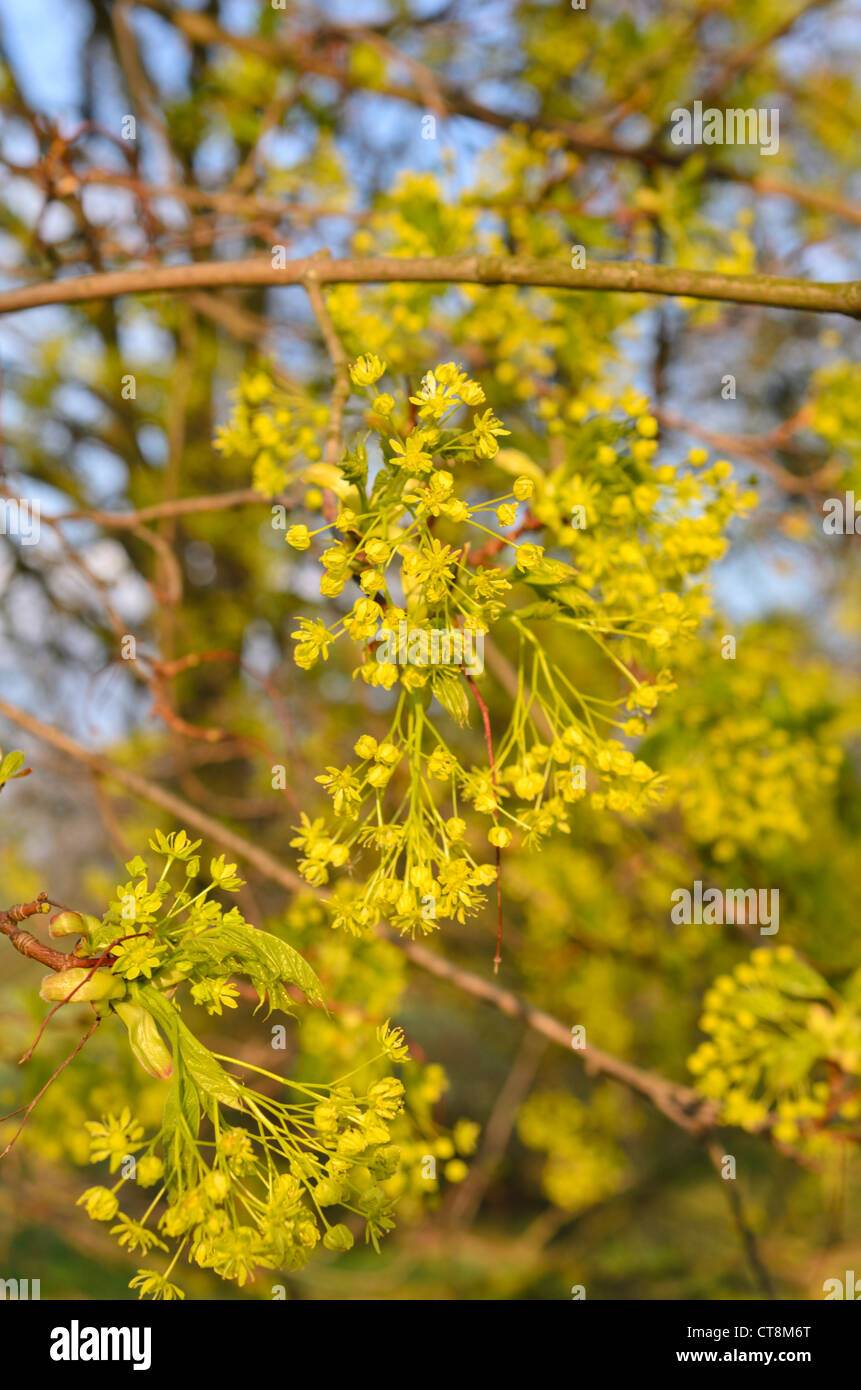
{"points": [[328, 1193], [338, 1238], [66, 924], [146, 1041], [372, 1201], [100, 985], [386, 1161], [326, 1117], [216, 1186], [91, 930]]}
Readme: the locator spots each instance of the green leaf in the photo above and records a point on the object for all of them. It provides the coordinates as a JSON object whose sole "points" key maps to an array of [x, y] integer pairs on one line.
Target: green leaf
{"points": [[10, 765], [181, 1122], [208, 1075], [799, 980], [266, 959], [574, 597], [144, 1038], [794, 1059]]}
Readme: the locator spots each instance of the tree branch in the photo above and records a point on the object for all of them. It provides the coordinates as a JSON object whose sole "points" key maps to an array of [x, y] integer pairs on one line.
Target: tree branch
{"points": [[686, 1108], [29, 945], [618, 277]]}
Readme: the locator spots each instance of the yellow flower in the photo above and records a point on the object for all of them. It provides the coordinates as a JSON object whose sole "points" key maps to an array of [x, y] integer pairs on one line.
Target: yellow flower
{"points": [[101, 1204], [114, 1138], [485, 429], [149, 1170], [299, 537], [394, 1045], [529, 556], [412, 454], [366, 370]]}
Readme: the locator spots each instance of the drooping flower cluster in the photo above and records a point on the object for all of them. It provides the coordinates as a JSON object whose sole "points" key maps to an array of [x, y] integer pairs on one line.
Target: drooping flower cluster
{"points": [[783, 1050], [602, 542], [246, 1180]]}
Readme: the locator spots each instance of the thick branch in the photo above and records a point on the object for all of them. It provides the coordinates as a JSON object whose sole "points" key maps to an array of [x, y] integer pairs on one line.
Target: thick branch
{"points": [[633, 277], [29, 945]]}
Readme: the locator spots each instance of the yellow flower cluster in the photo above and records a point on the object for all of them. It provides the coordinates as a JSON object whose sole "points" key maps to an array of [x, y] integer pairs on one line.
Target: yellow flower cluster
{"points": [[276, 432], [400, 540], [783, 1050]]}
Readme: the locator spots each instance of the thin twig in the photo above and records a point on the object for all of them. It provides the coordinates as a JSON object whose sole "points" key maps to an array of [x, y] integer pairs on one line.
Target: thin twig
{"points": [[748, 1240], [71, 1057]]}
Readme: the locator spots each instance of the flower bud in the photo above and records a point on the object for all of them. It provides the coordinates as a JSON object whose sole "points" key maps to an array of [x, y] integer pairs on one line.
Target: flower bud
{"points": [[338, 1238], [101, 984], [146, 1041], [66, 924], [378, 776], [328, 1193], [216, 1186], [149, 1170], [91, 924], [101, 1204]]}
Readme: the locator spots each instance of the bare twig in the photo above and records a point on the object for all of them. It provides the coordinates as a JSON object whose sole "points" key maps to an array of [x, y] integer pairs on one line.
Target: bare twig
{"points": [[468, 1196], [748, 1240], [39, 1094], [619, 277]]}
